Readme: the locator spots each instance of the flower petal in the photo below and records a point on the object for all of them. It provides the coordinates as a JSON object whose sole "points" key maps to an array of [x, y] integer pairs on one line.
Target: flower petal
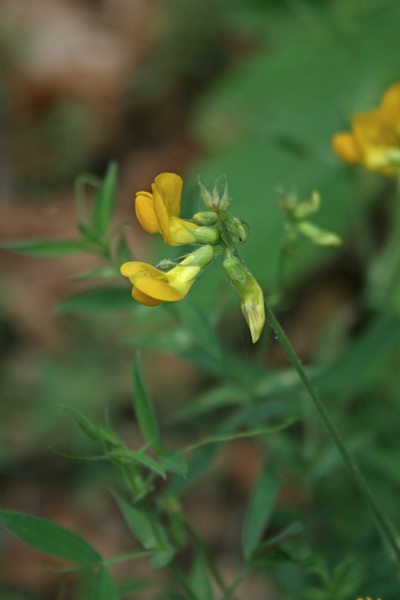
{"points": [[346, 147], [390, 105], [159, 289], [145, 212], [178, 232], [144, 298], [169, 186]]}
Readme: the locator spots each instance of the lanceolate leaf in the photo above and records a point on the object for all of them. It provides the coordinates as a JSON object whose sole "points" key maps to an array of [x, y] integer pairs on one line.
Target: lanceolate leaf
{"points": [[260, 508], [104, 586], [46, 248], [96, 300], [104, 202], [49, 538], [144, 409]]}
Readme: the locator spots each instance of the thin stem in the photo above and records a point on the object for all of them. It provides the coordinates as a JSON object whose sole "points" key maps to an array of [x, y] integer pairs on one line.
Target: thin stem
{"points": [[384, 525]]}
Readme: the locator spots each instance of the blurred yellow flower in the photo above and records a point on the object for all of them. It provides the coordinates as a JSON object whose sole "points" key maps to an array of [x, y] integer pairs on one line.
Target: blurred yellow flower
{"points": [[374, 141], [151, 286], [159, 212]]}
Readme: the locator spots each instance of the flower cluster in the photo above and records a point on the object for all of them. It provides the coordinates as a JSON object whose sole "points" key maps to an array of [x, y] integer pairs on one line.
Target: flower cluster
{"points": [[214, 230], [374, 141]]}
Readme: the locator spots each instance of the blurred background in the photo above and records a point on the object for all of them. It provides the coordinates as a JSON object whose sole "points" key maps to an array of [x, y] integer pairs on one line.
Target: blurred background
{"points": [[250, 89]]}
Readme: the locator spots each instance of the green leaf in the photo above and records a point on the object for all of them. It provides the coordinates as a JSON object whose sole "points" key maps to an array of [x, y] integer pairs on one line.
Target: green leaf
{"points": [[141, 459], [49, 538], [173, 461], [144, 409], [289, 531], [200, 582], [259, 512], [104, 202], [97, 300], [162, 559], [46, 248], [92, 430], [140, 525], [105, 587]]}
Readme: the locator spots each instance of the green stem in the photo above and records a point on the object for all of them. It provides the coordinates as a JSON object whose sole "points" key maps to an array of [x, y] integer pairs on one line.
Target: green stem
{"points": [[384, 525]]}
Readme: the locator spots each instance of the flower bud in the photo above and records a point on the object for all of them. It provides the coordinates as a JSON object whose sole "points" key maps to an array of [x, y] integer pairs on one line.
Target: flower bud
{"points": [[205, 218], [206, 235], [250, 294], [235, 270], [317, 235], [236, 229]]}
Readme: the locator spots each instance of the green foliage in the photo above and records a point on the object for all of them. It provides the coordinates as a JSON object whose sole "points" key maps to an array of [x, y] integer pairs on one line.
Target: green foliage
{"points": [[50, 538], [259, 512], [143, 408]]}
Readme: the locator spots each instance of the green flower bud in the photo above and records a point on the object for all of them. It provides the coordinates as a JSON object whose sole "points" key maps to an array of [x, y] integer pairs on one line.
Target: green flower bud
{"points": [[206, 235], [317, 235], [250, 294], [205, 218], [235, 270], [236, 229]]}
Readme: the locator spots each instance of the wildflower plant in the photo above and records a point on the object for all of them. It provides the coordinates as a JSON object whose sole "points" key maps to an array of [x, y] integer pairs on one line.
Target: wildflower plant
{"points": [[152, 478]]}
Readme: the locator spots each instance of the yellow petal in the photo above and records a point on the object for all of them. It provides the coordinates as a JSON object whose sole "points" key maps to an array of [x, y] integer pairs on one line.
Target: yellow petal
{"points": [[144, 298], [346, 147], [178, 232], [145, 212], [132, 268], [169, 186], [161, 213], [158, 288], [390, 104]]}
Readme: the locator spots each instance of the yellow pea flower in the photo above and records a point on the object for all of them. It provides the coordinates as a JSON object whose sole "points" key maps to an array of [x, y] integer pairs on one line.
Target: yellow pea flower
{"points": [[158, 212], [152, 287], [374, 141]]}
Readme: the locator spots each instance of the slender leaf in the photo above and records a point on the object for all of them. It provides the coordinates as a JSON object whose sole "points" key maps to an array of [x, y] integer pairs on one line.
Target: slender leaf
{"points": [[259, 512], [162, 559], [92, 430], [140, 525], [144, 409], [104, 202], [289, 531], [49, 538], [173, 461], [200, 581], [105, 587], [141, 459], [46, 248]]}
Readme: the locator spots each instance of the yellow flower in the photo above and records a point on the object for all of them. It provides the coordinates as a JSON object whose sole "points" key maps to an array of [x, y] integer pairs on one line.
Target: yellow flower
{"points": [[151, 286], [159, 212], [374, 141]]}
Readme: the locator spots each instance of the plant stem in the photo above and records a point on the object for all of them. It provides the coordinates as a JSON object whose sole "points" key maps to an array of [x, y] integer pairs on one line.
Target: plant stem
{"points": [[383, 524]]}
